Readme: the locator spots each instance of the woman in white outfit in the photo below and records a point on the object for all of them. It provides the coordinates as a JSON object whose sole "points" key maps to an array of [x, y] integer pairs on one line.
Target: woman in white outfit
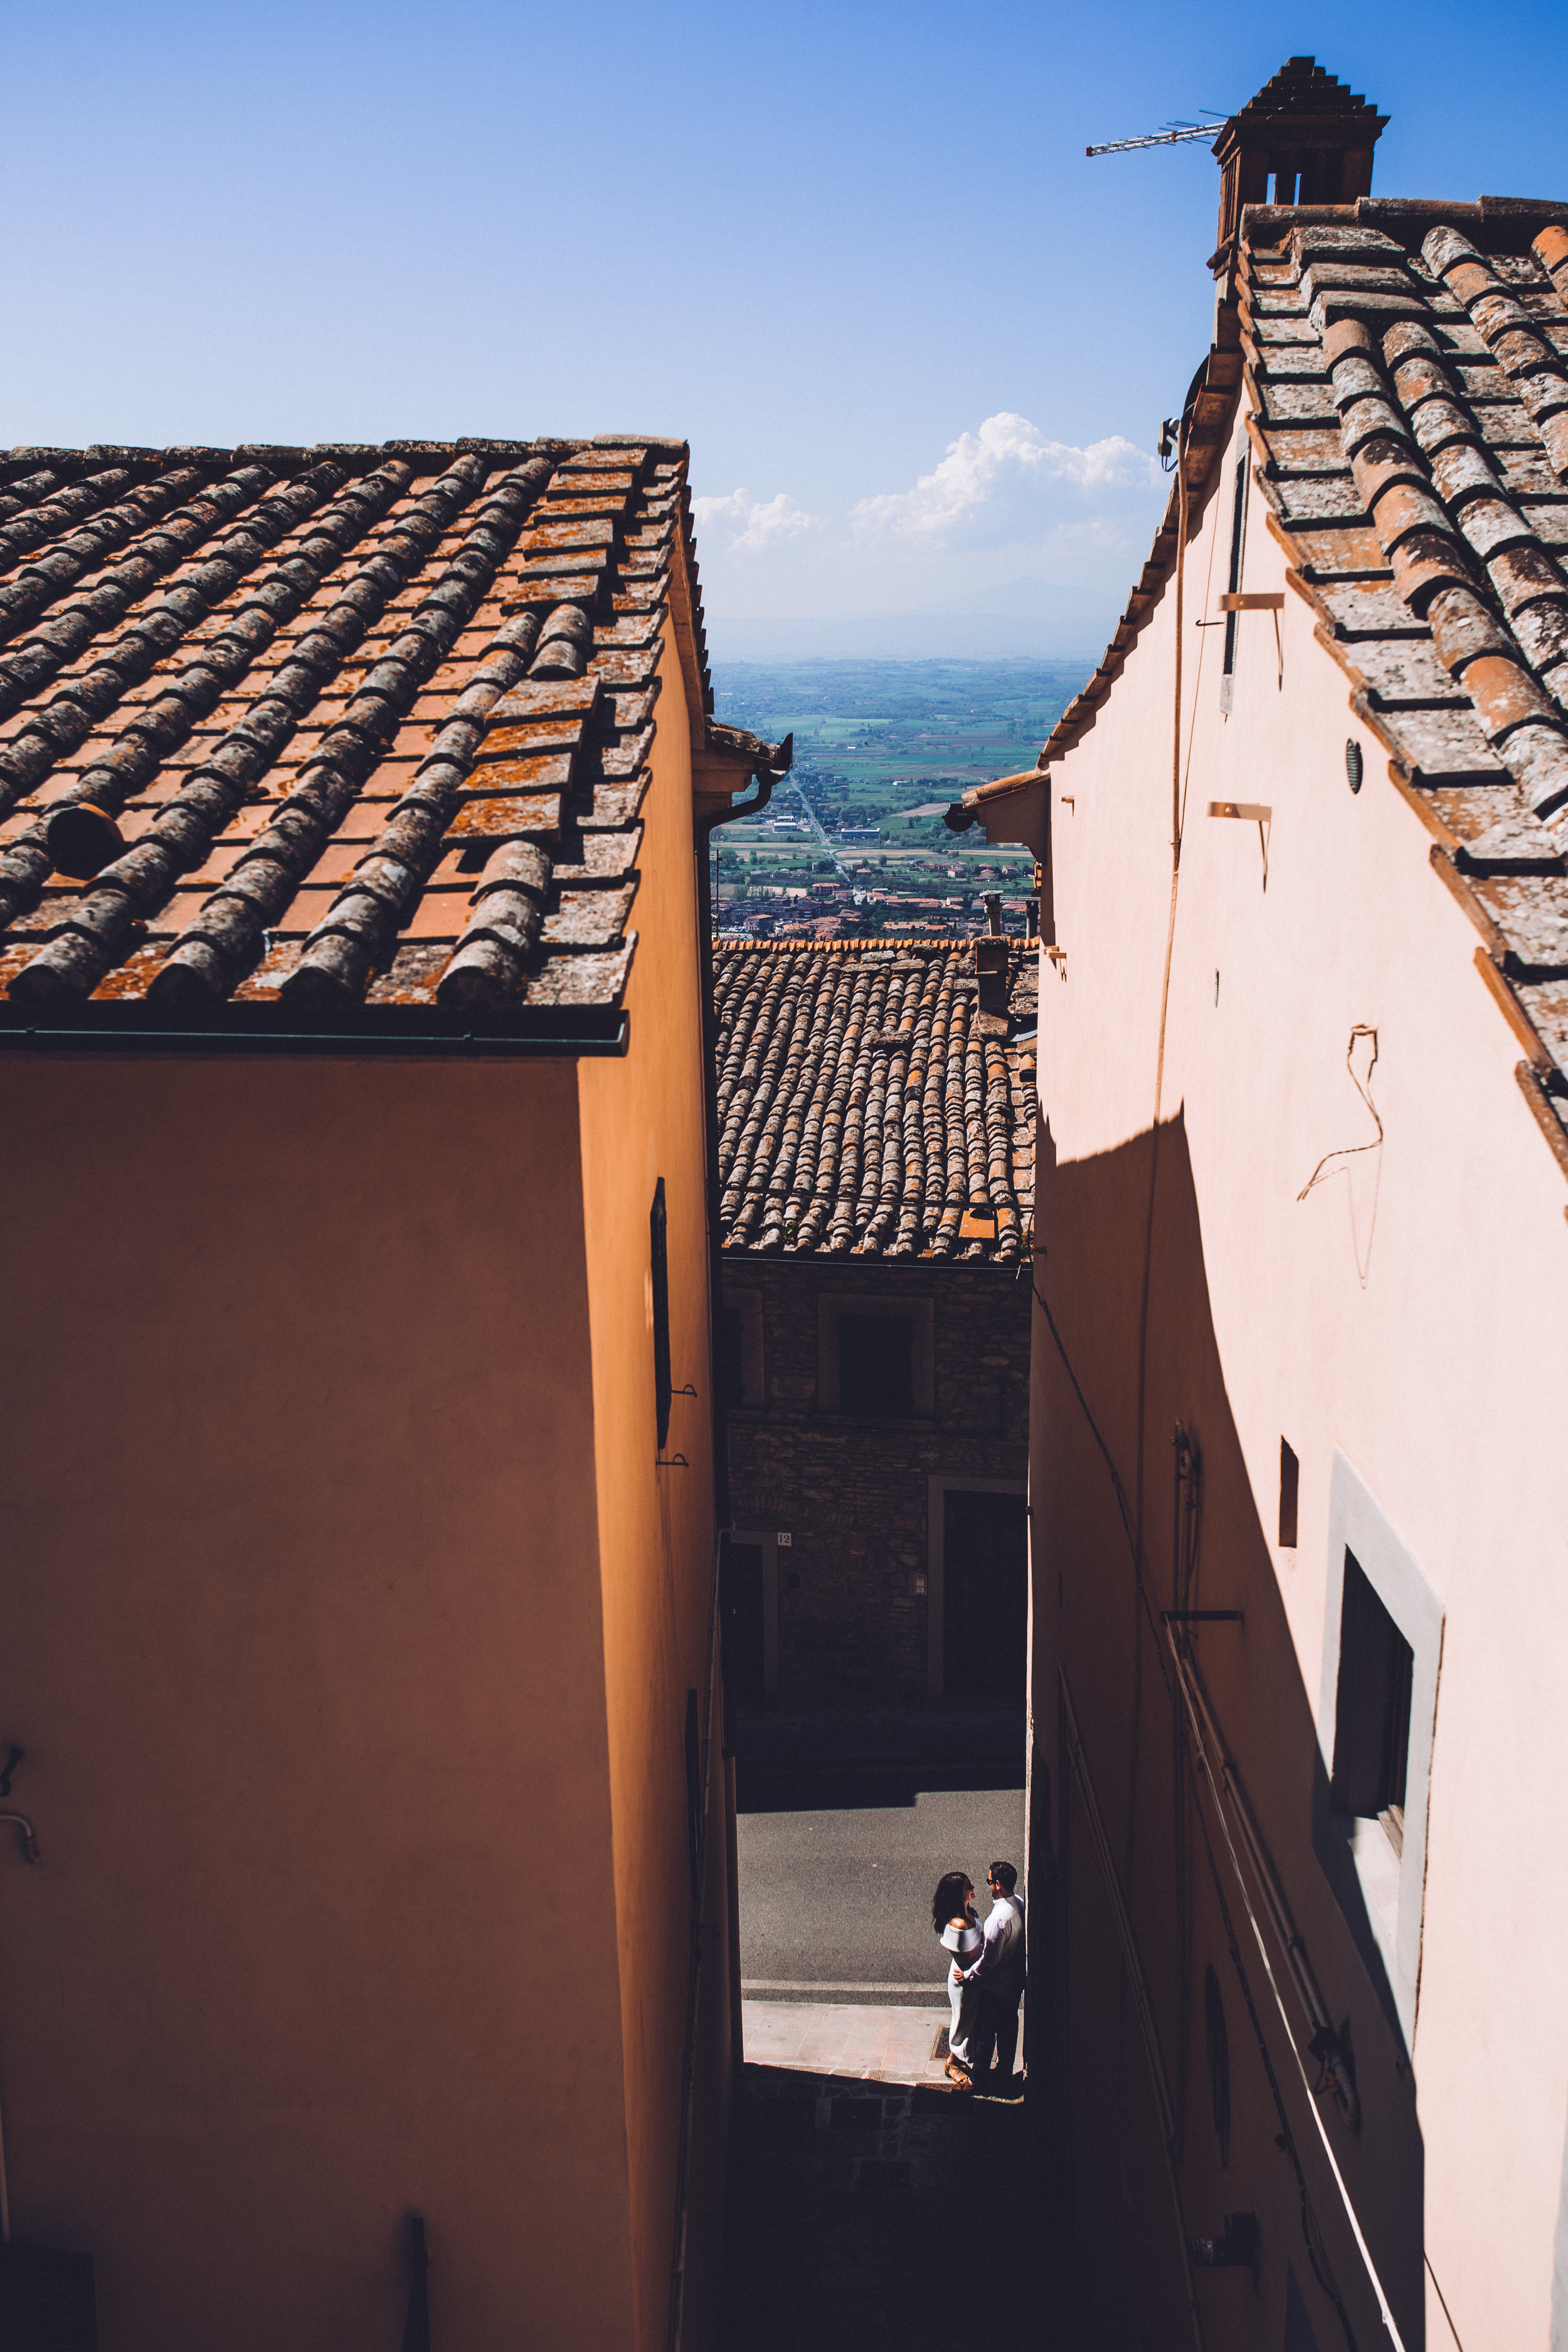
{"points": [[953, 1917]]}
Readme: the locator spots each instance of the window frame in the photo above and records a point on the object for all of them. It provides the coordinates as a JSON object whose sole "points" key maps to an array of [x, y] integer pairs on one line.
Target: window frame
{"points": [[1238, 556], [1290, 1495], [917, 1312], [748, 1305], [939, 1484], [1387, 1931], [659, 1274], [768, 1538], [884, 1367]]}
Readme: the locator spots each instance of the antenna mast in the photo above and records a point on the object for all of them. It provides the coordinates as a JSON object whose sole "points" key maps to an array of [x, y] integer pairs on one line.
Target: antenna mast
{"points": [[1170, 137]]}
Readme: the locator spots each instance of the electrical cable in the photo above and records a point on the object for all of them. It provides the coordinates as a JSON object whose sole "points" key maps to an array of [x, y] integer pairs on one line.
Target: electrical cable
{"points": [[1287, 2139], [1133, 1528]]}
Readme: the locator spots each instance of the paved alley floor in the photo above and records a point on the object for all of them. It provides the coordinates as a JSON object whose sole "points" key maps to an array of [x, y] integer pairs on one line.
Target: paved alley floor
{"points": [[864, 2216], [870, 2205], [845, 2038]]}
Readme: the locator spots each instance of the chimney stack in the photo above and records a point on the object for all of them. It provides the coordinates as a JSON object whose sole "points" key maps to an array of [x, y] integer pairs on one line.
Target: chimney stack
{"points": [[1305, 139]]}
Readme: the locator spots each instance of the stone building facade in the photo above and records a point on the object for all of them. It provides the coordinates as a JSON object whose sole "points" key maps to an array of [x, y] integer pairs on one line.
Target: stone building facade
{"points": [[876, 1133], [854, 1599]]}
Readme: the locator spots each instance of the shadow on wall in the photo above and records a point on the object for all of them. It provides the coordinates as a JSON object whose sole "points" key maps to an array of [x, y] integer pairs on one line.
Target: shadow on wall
{"points": [[1195, 2058]]}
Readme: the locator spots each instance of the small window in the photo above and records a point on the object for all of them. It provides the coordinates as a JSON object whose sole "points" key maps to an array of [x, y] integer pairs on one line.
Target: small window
{"points": [[1378, 1715], [876, 1365], [1237, 541], [694, 1805], [1371, 1716], [728, 1358], [658, 1253], [874, 1355], [738, 1351], [1289, 1491]]}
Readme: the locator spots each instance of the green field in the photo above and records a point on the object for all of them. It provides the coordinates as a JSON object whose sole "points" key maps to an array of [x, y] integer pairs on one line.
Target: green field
{"points": [[884, 746]]}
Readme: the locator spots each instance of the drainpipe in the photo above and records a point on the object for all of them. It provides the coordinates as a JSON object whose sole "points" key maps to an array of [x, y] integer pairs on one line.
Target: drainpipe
{"points": [[30, 1853], [705, 827], [780, 762]]}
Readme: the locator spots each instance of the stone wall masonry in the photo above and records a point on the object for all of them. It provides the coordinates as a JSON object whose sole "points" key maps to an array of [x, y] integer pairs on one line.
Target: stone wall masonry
{"points": [[854, 1589]]}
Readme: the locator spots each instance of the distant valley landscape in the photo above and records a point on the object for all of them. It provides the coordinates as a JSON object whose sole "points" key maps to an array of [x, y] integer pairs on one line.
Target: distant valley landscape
{"points": [[853, 843]]}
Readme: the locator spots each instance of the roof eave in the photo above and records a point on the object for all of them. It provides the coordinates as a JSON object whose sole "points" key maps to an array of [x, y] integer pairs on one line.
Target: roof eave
{"points": [[550, 1032]]}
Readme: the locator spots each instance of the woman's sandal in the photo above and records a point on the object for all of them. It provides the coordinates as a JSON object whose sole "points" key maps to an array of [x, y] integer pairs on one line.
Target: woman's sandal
{"points": [[957, 2075]]}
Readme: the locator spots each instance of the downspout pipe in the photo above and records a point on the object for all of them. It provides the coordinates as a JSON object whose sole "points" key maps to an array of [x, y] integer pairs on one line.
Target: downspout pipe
{"points": [[704, 829], [30, 1853]]}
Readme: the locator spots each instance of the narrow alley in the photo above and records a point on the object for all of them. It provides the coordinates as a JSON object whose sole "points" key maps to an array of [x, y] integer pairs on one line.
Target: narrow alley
{"points": [[867, 2214], [869, 2203]]}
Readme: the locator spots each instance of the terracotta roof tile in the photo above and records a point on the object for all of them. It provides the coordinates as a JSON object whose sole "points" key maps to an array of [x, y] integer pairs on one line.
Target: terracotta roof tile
{"points": [[869, 1106], [320, 737], [1406, 390], [1426, 401]]}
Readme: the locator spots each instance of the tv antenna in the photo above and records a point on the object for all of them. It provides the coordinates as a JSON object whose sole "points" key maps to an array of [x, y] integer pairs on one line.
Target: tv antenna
{"points": [[1170, 136]]}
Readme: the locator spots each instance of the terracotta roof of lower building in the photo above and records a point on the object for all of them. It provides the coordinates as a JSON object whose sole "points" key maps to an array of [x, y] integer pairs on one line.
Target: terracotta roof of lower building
{"points": [[868, 1102], [344, 738]]}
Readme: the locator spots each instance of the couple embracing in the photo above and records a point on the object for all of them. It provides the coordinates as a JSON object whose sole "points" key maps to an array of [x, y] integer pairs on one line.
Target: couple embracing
{"points": [[985, 1977]]}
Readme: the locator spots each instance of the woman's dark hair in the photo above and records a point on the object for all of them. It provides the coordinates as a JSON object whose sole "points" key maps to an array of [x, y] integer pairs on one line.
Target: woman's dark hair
{"points": [[949, 1901]]}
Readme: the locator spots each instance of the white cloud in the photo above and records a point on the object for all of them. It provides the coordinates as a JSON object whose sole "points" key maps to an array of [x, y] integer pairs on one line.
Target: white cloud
{"points": [[758, 523], [989, 477]]}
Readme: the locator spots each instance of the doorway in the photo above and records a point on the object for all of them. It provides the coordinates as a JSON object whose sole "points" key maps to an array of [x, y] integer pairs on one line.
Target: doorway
{"points": [[979, 1590], [751, 1616]]}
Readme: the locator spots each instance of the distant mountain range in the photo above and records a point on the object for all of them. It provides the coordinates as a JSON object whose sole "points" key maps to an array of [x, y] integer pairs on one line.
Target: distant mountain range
{"points": [[1019, 616]]}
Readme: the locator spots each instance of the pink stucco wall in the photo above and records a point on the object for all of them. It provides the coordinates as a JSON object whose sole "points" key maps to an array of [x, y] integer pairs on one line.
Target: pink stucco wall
{"points": [[1410, 1313]]}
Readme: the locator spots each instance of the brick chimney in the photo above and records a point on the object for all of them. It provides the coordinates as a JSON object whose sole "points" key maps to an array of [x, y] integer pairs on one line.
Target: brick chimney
{"points": [[1305, 139]]}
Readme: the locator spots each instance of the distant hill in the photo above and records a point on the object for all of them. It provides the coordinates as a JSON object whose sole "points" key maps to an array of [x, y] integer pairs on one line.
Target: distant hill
{"points": [[1026, 616]]}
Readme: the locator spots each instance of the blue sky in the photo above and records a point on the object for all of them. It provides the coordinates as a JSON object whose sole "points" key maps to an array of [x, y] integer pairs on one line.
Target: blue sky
{"points": [[840, 248]]}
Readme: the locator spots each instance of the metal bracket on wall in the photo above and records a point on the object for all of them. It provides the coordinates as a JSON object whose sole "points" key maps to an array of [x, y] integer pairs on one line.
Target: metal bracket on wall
{"points": [[1260, 600], [1257, 813]]}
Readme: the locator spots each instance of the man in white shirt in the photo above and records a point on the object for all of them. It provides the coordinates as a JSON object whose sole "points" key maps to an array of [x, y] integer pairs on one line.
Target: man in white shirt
{"points": [[999, 1975]]}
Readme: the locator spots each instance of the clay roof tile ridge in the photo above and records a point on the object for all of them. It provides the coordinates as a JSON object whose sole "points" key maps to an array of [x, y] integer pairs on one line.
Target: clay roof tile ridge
{"points": [[229, 930]]}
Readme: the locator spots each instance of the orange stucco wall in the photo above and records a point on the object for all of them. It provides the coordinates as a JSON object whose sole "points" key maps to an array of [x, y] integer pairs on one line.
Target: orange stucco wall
{"points": [[303, 1635], [1409, 1311], [641, 1119]]}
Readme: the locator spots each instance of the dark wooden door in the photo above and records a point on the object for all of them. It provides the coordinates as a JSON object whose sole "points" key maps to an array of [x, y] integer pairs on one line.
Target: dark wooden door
{"points": [[744, 1629], [985, 1596]]}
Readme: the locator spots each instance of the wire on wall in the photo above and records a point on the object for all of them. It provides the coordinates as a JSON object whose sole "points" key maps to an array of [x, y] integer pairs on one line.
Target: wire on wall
{"points": [[1188, 1512], [1317, 2252], [1332, 1163]]}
